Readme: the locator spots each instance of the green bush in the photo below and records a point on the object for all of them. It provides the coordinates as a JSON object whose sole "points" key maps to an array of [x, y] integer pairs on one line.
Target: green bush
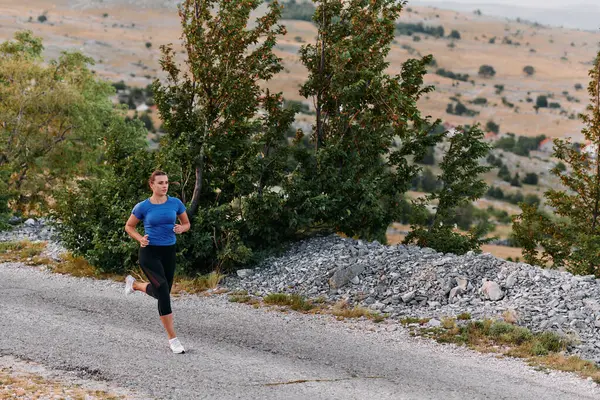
{"points": [[529, 70], [541, 101], [531, 178], [404, 28], [302, 11], [491, 126], [452, 75], [486, 71], [454, 34]]}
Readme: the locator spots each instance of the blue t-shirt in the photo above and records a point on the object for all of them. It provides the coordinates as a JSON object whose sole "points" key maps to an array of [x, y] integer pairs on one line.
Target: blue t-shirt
{"points": [[159, 219]]}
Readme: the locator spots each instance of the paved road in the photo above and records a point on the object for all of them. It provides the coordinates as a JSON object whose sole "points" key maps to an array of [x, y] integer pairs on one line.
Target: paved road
{"points": [[238, 352]]}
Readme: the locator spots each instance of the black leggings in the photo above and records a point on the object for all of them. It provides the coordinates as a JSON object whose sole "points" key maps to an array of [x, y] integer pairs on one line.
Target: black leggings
{"points": [[158, 263]]}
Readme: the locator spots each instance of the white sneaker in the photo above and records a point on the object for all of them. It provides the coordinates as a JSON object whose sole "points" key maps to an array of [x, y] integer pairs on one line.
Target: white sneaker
{"points": [[129, 284], [176, 346]]}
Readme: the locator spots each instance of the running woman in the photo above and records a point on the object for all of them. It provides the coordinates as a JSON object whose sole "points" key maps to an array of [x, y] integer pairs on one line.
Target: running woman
{"points": [[157, 248]]}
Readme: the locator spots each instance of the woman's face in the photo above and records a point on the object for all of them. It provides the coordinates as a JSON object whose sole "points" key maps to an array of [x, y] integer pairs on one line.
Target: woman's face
{"points": [[160, 185]]}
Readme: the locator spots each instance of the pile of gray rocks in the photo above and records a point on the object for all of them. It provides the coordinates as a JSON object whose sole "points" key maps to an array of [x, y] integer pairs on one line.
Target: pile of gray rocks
{"points": [[35, 230], [405, 281]]}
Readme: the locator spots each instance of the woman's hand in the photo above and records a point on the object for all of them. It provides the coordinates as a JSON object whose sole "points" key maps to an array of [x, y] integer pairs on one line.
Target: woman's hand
{"points": [[144, 241], [178, 229]]}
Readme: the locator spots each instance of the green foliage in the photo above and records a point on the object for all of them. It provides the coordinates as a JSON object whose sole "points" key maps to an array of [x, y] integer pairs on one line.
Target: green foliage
{"points": [[93, 211], [429, 157], [531, 178], [226, 136], [480, 101], [486, 71], [504, 173], [541, 101], [499, 88], [53, 117], [301, 10], [352, 179], [460, 185], [521, 146], [405, 28], [460, 109], [298, 106], [491, 126], [529, 70], [452, 75], [572, 237], [454, 34]]}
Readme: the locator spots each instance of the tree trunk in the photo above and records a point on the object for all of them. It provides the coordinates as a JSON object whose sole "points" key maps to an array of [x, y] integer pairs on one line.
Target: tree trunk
{"points": [[193, 209], [319, 141]]}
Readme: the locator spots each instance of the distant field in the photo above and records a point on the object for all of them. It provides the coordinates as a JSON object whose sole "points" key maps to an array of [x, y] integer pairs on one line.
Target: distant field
{"points": [[115, 33]]}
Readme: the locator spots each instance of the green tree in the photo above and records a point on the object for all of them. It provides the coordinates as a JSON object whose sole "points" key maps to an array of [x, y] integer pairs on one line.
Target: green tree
{"points": [[486, 71], [353, 179], [460, 184], [225, 140], [531, 178], [491, 126], [541, 101], [454, 34], [53, 118], [572, 237], [529, 70]]}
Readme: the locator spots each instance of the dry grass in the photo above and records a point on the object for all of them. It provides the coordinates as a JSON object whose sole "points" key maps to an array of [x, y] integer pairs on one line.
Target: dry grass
{"points": [[200, 283], [544, 349], [22, 385], [23, 250], [293, 301], [342, 310]]}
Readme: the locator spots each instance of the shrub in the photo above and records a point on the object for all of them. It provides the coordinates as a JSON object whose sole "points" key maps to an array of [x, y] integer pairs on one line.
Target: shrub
{"points": [[578, 86], [531, 178], [491, 126], [452, 75], [499, 88], [529, 70], [495, 193], [429, 157], [554, 105], [515, 181], [454, 34], [541, 101], [480, 101], [302, 11], [460, 109], [42, 18], [148, 45], [504, 173], [486, 71], [404, 28]]}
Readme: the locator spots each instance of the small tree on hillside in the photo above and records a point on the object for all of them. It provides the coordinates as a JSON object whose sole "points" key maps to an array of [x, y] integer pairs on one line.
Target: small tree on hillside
{"points": [[460, 183], [572, 238], [529, 70], [487, 71]]}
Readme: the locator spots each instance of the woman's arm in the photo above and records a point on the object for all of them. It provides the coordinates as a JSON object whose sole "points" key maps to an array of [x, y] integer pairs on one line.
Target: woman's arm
{"points": [[185, 223], [131, 231]]}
